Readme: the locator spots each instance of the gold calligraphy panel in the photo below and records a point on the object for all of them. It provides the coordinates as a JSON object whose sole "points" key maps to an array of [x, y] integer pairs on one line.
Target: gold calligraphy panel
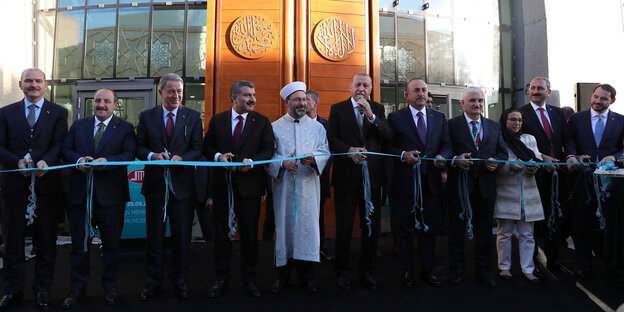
{"points": [[334, 39], [253, 36]]}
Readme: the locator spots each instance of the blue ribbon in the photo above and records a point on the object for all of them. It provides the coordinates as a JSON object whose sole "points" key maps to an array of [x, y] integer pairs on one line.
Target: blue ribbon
{"points": [[32, 198], [464, 202], [600, 187], [231, 215], [89, 229], [367, 197], [555, 206], [418, 207], [168, 188]]}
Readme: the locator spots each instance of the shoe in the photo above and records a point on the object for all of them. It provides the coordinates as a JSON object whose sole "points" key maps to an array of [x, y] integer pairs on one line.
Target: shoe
{"points": [[308, 284], [344, 282], [278, 285], [252, 290], [325, 256], [111, 296], [429, 278], [181, 291], [558, 267], [71, 299], [368, 281], [584, 274], [408, 279], [9, 299], [455, 279], [505, 275], [486, 279], [532, 279], [147, 293], [217, 289], [43, 299]]}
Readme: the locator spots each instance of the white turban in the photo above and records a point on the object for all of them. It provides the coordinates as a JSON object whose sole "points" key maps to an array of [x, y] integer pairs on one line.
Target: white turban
{"points": [[292, 88]]}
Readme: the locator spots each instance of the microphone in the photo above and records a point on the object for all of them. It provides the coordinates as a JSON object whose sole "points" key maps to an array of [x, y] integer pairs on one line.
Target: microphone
{"points": [[360, 108]]}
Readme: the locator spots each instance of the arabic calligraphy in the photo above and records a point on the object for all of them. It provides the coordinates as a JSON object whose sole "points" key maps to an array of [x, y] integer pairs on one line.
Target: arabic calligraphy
{"points": [[334, 39], [253, 36]]}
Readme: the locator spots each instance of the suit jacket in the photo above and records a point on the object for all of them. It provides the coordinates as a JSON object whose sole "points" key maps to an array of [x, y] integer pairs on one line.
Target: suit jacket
{"points": [[581, 140], [558, 124], [405, 138], [48, 135], [118, 143], [491, 145], [185, 142], [343, 133], [256, 143], [325, 184]]}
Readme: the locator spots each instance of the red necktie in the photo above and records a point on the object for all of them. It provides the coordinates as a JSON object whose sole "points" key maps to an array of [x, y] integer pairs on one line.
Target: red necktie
{"points": [[238, 130], [169, 125], [547, 129], [475, 133]]}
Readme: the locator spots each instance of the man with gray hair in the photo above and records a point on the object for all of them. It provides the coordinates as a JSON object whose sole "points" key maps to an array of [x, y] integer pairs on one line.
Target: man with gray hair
{"points": [[242, 135], [473, 136], [169, 132]]}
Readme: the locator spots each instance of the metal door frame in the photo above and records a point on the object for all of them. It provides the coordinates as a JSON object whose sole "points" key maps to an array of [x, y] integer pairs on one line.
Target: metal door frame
{"points": [[125, 88]]}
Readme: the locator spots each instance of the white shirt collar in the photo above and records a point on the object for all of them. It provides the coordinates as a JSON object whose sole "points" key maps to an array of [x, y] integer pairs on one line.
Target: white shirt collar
{"points": [[595, 114], [535, 106], [415, 111], [175, 112], [106, 122], [235, 115], [38, 103], [468, 119], [354, 102]]}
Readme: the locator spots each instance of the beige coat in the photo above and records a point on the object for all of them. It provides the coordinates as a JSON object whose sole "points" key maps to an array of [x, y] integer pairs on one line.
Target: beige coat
{"points": [[510, 186]]}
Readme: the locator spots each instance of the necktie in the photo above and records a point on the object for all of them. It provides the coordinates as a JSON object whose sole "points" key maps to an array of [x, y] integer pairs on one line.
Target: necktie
{"points": [[169, 126], [360, 121], [547, 129], [599, 130], [475, 133], [31, 115], [238, 130], [422, 129], [98, 135]]}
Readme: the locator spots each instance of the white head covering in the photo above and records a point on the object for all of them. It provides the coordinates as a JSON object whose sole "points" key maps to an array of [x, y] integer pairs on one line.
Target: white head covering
{"points": [[292, 88]]}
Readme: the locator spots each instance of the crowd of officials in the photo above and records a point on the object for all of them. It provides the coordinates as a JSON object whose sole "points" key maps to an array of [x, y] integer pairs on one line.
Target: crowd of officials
{"points": [[456, 175]]}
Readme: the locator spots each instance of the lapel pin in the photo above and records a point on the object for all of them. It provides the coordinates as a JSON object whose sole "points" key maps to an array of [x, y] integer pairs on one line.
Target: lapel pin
{"points": [[48, 112]]}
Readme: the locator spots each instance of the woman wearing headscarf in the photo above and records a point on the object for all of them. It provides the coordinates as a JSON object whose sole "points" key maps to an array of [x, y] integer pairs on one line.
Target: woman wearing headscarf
{"points": [[517, 200]]}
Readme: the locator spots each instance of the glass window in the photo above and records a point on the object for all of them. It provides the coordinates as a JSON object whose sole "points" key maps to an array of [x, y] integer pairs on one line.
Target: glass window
{"points": [[128, 107], [46, 4], [71, 3], [194, 97], [440, 7], [100, 50], [386, 46], [456, 108], [386, 4], [64, 96], [96, 2], [45, 41], [167, 41], [69, 44], [133, 1], [482, 10], [411, 47], [440, 50], [196, 44], [475, 62], [388, 98], [133, 41], [494, 108], [439, 104], [165, 1], [411, 5]]}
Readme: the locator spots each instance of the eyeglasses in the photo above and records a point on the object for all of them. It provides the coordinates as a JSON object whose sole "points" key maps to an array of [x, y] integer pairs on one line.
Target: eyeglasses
{"points": [[515, 120], [298, 100], [429, 102]]}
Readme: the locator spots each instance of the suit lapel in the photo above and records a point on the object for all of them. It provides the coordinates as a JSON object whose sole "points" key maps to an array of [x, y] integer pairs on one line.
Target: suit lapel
{"points": [[609, 127], [45, 117], [19, 116], [160, 125], [350, 113], [533, 120], [180, 123], [464, 131], [554, 122], [108, 133], [250, 123], [413, 130]]}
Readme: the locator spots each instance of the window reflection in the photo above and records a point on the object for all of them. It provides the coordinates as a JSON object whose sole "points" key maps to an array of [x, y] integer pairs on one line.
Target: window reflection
{"points": [[441, 7], [133, 41], [64, 96], [411, 47], [440, 50], [167, 41], [388, 98], [46, 4], [69, 44], [475, 57], [196, 44], [96, 2], [386, 45], [481, 10], [45, 42], [194, 97], [100, 49], [72, 3]]}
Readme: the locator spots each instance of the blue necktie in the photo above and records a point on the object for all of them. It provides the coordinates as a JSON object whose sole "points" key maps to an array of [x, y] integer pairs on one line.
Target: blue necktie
{"points": [[599, 130]]}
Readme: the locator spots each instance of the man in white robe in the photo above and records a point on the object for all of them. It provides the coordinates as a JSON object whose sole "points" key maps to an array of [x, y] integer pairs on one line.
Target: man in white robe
{"points": [[297, 188]]}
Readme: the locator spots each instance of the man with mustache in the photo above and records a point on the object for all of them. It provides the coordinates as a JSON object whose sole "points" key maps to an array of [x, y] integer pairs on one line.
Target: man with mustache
{"points": [[357, 125], [548, 125], [297, 237], [37, 127], [169, 132], [99, 138], [417, 131], [242, 135], [473, 136]]}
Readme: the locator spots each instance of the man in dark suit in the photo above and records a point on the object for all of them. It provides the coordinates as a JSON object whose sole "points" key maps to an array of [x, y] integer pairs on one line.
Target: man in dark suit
{"points": [[595, 135], [417, 131], [549, 127], [241, 135], [312, 105], [169, 132], [37, 127], [99, 138], [357, 125], [473, 136]]}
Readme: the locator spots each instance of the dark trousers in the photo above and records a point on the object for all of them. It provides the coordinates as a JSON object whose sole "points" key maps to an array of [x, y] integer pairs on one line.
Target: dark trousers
{"points": [[109, 220], [346, 203], [44, 238], [584, 220], [304, 269], [180, 214], [403, 223], [550, 239], [482, 218], [247, 211]]}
